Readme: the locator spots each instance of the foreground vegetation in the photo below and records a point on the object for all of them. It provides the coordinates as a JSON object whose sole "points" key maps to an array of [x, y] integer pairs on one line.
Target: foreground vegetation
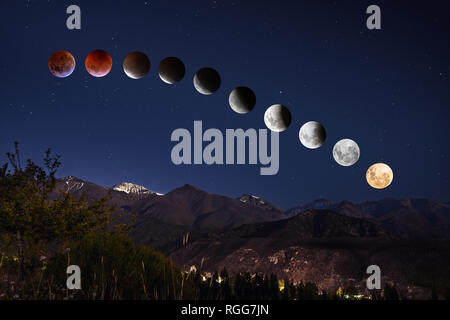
{"points": [[113, 267], [43, 232]]}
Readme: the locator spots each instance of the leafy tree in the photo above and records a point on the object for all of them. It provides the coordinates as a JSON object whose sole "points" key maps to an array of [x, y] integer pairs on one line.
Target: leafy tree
{"points": [[29, 217]]}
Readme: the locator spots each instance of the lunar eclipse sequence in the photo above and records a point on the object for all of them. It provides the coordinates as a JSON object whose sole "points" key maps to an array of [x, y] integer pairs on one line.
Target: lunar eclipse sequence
{"points": [[242, 100]]}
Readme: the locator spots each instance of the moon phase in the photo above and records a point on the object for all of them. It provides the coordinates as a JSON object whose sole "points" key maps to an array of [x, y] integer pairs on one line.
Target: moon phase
{"points": [[379, 176], [171, 70], [207, 81], [136, 65], [98, 63], [277, 118], [312, 135], [61, 64], [242, 100], [346, 152]]}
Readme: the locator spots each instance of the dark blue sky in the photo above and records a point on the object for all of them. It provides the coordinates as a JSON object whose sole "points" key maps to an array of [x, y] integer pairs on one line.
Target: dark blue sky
{"points": [[388, 90]]}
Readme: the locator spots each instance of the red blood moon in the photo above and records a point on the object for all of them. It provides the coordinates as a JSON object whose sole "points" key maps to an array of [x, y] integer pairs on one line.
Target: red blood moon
{"points": [[61, 64], [98, 63]]}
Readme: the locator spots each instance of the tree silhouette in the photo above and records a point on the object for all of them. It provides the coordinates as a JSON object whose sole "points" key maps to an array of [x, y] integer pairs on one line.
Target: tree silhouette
{"points": [[225, 286], [390, 292], [30, 218], [274, 288]]}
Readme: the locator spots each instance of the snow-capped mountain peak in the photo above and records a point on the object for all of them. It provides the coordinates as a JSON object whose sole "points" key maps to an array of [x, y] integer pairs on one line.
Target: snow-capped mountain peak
{"points": [[248, 198], [131, 188], [257, 201], [73, 183]]}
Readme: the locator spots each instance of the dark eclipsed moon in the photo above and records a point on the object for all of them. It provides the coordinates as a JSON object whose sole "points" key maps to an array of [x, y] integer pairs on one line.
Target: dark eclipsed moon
{"points": [[61, 64], [207, 81], [136, 65], [242, 100], [171, 70], [98, 63]]}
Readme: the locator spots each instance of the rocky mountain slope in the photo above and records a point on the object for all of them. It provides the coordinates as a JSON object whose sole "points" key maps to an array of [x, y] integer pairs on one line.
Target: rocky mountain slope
{"points": [[179, 211], [330, 244], [408, 218], [323, 247]]}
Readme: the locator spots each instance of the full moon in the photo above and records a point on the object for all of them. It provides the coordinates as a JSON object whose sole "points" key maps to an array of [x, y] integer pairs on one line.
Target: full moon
{"points": [[171, 70], [346, 152], [312, 135], [61, 64], [98, 63], [136, 65], [379, 176], [207, 81], [242, 100], [277, 118]]}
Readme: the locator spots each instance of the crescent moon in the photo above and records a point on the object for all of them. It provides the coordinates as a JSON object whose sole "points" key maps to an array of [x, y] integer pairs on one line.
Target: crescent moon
{"points": [[207, 81], [242, 100]]}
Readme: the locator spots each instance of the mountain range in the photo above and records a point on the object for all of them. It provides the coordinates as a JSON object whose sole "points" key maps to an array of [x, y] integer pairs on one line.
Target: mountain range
{"points": [[408, 218], [328, 243]]}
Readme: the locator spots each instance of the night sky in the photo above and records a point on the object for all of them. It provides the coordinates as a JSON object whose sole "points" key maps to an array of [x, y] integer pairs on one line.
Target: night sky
{"points": [[389, 90]]}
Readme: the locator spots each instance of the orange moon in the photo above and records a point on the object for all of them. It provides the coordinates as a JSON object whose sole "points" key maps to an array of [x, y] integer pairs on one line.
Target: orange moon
{"points": [[98, 63], [379, 176], [61, 64]]}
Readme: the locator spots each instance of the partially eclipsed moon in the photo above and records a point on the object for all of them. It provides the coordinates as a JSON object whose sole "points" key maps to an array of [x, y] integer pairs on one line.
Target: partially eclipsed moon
{"points": [[312, 135], [136, 65], [207, 81], [277, 118], [346, 152], [171, 70], [379, 176], [242, 100]]}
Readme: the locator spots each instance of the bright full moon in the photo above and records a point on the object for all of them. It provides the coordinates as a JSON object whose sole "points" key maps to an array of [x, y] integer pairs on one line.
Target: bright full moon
{"points": [[346, 152], [379, 176]]}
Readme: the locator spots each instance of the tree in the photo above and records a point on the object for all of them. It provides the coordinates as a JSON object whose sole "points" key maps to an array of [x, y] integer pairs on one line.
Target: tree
{"points": [[301, 291], [274, 288], [390, 292], [285, 294], [214, 287], [447, 293], [258, 287], [310, 291], [225, 287], [30, 217]]}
